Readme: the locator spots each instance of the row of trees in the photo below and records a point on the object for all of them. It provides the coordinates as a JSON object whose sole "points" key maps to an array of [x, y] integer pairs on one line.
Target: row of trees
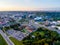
{"points": [[15, 26]]}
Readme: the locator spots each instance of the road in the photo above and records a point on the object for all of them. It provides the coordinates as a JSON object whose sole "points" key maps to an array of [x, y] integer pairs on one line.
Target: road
{"points": [[9, 42], [37, 25]]}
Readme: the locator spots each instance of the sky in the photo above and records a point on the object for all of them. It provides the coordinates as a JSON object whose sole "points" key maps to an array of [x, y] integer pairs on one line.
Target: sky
{"points": [[18, 5]]}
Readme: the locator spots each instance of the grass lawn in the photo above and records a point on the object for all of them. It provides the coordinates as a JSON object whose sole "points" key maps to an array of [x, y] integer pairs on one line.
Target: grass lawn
{"points": [[16, 42], [2, 41]]}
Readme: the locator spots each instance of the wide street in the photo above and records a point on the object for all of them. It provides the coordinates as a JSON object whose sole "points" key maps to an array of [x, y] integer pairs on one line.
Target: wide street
{"points": [[8, 41]]}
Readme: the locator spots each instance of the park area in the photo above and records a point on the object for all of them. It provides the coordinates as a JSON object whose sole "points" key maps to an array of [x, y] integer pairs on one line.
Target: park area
{"points": [[42, 36]]}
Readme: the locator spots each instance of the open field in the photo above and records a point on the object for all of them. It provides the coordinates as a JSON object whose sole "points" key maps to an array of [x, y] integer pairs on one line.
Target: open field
{"points": [[16, 42]]}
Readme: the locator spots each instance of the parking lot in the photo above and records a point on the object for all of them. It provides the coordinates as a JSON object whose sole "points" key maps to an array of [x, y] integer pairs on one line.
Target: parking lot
{"points": [[16, 34]]}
